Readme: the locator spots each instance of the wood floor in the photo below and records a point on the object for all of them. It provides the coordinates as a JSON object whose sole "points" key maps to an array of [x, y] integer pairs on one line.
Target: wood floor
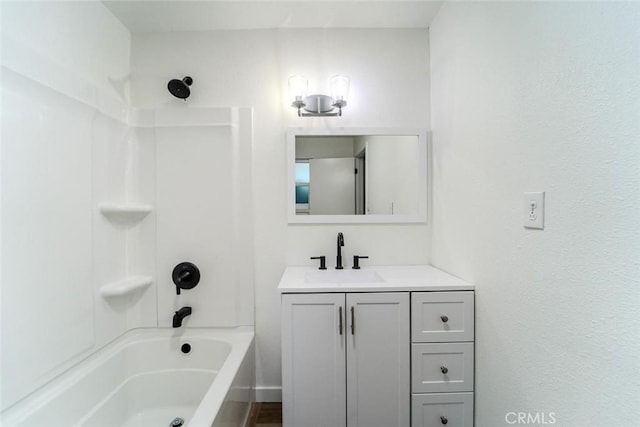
{"points": [[266, 415]]}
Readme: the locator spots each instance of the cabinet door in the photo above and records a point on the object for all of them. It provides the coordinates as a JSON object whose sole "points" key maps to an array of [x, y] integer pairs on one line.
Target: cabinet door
{"points": [[378, 393], [313, 360]]}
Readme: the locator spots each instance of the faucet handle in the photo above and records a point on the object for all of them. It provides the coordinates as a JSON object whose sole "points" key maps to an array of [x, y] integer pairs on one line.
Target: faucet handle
{"points": [[323, 261], [356, 261], [185, 276]]}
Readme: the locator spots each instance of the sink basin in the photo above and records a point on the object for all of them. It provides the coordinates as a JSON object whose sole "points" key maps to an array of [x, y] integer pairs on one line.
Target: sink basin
{"points": [[342, 276]]}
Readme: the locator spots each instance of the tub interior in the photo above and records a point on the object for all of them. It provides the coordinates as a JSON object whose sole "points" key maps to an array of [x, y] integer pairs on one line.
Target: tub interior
{"points": [[143, 379], [152, 399]]}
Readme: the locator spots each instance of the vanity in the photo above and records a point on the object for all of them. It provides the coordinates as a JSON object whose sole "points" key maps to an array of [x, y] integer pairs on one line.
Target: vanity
{"points": [[377, 347]]}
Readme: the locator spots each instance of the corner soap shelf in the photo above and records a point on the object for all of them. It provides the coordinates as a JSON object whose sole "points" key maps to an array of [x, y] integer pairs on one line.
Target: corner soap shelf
{"points": [[125, 212], [126, 286]]}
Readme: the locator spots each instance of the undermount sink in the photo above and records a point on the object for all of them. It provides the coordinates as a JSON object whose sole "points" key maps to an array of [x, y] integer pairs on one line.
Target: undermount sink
{"points": [[342, 276]]}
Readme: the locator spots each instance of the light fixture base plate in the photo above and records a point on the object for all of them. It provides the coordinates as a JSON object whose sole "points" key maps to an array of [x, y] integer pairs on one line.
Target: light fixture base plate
{"points": [[318, 104]]}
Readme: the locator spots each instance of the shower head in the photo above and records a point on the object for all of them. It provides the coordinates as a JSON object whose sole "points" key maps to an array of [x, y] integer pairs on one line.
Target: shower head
{"points": [[180, 88]]}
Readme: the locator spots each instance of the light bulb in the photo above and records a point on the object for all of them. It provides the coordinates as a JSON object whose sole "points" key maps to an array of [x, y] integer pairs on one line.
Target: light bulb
{"points": [[298, 87], [339, 87]]}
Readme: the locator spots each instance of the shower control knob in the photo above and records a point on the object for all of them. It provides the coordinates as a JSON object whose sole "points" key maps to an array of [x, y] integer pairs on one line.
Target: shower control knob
{"points": [[444, 369], [185, 276], [444, 420], [444, 318]]}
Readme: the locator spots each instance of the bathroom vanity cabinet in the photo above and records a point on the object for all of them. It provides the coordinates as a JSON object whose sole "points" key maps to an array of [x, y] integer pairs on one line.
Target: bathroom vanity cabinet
{"points": [[385, 346], [349, 356]]}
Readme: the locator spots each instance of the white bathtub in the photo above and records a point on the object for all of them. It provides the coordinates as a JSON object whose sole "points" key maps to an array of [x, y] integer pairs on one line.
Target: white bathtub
{"points": [[145, 379]]}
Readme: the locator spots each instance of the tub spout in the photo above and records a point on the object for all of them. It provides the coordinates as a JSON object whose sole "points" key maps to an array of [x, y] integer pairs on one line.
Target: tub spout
{"points": [[180, 315]]}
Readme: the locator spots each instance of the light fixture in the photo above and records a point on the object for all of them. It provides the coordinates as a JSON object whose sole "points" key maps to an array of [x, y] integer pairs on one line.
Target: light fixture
{"points": [[319, 105]]}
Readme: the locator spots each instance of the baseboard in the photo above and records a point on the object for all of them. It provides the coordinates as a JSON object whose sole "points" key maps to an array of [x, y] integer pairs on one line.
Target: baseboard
{"points": [[268, 394]]}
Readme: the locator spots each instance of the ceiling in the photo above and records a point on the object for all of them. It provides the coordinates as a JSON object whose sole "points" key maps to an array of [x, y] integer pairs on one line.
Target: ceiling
{"points": [[143, 16]]}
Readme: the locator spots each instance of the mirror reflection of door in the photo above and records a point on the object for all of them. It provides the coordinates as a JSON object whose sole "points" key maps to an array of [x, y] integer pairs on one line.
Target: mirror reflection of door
{"points": [[332, 186]]}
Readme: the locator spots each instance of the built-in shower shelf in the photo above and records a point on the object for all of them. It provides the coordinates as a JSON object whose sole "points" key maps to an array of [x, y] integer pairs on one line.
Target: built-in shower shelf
{"points": [[125, 212], [126, 286]]}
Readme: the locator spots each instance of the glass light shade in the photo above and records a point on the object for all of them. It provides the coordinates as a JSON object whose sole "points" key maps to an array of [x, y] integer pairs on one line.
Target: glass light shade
{"points": [[298, 87], [339, 87]]}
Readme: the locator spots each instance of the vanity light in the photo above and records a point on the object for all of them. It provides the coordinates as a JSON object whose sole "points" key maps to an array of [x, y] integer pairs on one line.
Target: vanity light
{"points": [[298, 87], [319, 105]]}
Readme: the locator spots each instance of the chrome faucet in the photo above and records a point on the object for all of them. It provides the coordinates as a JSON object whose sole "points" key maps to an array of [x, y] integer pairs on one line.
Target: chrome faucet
{"points": [[180, 315], [339, 257]]}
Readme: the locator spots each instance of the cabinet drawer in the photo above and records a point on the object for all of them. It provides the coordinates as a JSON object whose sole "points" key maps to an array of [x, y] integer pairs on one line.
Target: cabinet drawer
{"points": [[441, 316], [438, 409], [442, 367]]}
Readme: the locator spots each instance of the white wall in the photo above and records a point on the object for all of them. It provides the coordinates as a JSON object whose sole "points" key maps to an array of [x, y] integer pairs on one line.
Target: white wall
{"points": [[389, 87], [543, 97], [64, 145], [324, 147]]}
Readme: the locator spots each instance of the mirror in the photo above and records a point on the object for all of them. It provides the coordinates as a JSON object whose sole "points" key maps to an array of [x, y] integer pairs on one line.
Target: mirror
{"points": [[357, 175]]}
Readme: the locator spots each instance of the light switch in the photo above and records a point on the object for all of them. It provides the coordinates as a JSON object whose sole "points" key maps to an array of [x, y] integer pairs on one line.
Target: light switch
{"points": [[534, 210]]}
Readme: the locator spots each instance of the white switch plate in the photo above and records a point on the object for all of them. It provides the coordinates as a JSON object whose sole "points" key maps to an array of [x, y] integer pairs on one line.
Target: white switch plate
{"points": [[534, 210]]}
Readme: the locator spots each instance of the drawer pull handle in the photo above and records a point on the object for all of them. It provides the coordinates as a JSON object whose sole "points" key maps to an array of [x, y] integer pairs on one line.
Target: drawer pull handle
{"points": [[444, 420], [444, 369], [444, 318]]}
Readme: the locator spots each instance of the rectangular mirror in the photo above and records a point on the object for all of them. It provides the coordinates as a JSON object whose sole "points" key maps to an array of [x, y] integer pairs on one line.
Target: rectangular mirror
{"points": [[363, 175]]}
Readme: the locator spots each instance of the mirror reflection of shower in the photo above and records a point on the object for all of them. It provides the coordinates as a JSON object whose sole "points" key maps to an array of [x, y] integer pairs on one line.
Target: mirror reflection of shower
{"points": [[180, 88]]}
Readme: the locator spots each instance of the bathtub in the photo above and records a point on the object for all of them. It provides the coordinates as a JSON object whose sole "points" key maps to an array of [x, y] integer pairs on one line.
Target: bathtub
{"points": [[149, 377]]}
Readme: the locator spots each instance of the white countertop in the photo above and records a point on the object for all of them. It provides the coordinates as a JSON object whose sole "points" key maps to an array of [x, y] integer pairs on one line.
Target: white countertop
{"points": [[373, 279]]}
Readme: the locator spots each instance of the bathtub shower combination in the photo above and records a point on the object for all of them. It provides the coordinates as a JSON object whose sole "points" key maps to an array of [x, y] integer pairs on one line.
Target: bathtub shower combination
{"points": [[101, 197], [94, 345], [197, 377]]}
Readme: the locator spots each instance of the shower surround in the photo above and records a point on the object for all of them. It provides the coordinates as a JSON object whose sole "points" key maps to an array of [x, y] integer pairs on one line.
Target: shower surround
{"points": [[100, 199]]}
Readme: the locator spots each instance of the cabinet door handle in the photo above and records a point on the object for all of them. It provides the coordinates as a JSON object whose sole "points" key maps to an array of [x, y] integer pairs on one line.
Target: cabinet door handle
{"points": [[340, 319], [353, 322], [444, 420]]}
